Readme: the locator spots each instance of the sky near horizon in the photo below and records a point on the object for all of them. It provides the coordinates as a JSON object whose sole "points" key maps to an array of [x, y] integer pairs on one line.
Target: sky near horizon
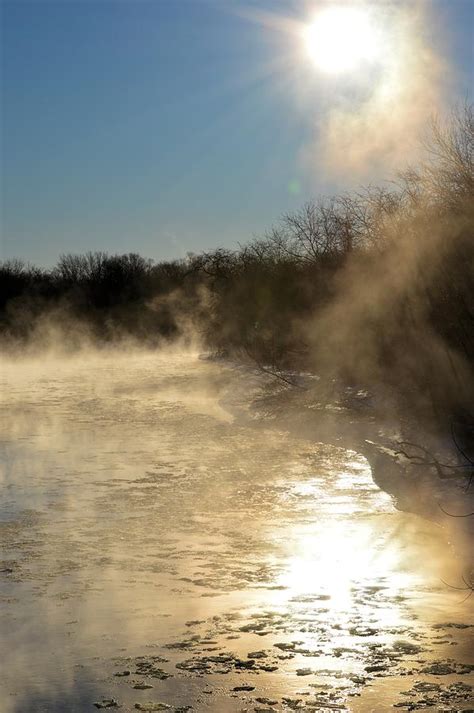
{"points": [[168, 126]]}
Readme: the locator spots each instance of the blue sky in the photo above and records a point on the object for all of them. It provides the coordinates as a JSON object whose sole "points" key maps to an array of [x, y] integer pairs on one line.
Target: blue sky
{"points": [[155, 126]]}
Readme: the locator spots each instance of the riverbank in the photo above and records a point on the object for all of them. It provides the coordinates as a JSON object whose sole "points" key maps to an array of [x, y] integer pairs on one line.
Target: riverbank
{"points": [[403, 456]]}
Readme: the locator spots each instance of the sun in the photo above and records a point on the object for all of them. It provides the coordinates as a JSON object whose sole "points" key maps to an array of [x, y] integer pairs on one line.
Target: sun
{"points": [[341, 39]]}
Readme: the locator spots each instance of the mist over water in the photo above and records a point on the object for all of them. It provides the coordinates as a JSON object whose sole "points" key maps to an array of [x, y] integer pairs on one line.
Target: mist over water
{"points": [[241, 480], [150, 524]]}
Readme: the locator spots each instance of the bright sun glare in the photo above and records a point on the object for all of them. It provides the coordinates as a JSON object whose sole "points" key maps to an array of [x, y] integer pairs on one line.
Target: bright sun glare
{"points": [[341, 38]]}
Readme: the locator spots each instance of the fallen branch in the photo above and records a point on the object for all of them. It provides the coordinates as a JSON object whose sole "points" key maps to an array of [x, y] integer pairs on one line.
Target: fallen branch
{"points": [[468, 514], [469, 586], [272, 372], [429, 460]]}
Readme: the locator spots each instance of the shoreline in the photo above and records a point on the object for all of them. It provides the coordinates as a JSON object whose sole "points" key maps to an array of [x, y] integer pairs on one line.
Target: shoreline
{"points": [[358, 428]]}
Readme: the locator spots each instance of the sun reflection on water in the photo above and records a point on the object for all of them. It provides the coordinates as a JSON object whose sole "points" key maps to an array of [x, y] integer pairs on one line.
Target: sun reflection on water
{"points": [[344, 556]]}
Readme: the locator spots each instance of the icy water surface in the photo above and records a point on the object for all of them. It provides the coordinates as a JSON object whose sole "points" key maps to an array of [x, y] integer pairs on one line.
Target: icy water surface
{"points": [[163, 552]]}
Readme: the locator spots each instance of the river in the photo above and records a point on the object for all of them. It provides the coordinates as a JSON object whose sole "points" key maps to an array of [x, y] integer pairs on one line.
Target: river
{"points": [[162, 551]]}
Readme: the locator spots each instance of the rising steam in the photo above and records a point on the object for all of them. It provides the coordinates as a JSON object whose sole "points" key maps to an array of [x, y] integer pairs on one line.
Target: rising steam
{"points": [[370, 125]]}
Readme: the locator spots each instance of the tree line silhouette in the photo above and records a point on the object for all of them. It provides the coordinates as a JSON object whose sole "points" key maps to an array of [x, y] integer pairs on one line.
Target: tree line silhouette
{"points": [[372, 287]]}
